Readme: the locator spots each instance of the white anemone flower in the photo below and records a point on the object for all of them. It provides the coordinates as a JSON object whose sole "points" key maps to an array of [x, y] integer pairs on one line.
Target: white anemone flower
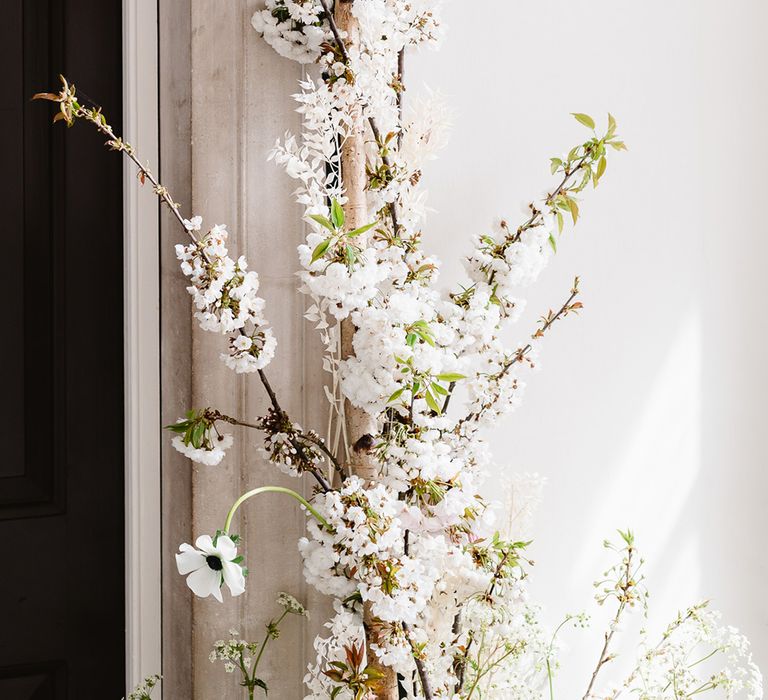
{"points": [[210, 566]]}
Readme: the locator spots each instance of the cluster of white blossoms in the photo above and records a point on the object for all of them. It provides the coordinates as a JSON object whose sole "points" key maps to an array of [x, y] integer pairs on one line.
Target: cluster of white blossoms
{"points": [[696, 654], [225, 296], [361, 549], [198, 438], [210, 452], [293, 28]]}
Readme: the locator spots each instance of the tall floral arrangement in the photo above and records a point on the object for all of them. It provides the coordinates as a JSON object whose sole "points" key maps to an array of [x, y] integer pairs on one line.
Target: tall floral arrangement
{"points": [[429, 591]]}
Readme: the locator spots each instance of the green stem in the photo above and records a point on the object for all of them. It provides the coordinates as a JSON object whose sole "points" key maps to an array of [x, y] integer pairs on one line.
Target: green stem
{"points": [[567, 619], [272, 489], [549, 676], [267, 637]]}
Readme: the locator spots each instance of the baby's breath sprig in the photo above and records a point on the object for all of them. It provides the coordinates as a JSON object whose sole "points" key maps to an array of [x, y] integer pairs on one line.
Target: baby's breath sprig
{"points": [[143, 691], [240, 655]]}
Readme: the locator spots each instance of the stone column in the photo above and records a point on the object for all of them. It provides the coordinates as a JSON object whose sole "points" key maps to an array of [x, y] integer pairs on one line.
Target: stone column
{"points": [[218, 126]]}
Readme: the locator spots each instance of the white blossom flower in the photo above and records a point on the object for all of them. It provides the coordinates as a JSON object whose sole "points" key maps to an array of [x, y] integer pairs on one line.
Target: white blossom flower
{"points": [[209, 566], [211, 453]]}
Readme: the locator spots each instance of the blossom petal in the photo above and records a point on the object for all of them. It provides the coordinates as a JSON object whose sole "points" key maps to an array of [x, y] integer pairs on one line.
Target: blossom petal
{"points": [[205, 543], [189, 559], [204, 582], [234, 578], [226, 548]]}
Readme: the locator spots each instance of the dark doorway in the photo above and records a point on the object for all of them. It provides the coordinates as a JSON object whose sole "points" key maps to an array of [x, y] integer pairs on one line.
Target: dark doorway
{"points": [[61, 360]]}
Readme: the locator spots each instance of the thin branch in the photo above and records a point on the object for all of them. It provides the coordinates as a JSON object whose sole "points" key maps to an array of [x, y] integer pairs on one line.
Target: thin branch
{"points": [[215, 415], [71, 109], [400, 91], [522, 353], [420, 668], [564, 184], [335, 30], [604, 657], [461, 664]]}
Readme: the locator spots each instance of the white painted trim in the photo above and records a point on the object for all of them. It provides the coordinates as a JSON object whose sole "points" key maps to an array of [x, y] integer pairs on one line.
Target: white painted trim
{"points": [[142, 348]]}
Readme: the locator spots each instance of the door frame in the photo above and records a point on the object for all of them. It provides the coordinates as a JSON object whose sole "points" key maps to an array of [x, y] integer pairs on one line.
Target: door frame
{"points": [[141, 213]]}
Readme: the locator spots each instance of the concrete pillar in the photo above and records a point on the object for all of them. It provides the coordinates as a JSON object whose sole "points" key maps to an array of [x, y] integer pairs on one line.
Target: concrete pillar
{"points": [[225, 99]]}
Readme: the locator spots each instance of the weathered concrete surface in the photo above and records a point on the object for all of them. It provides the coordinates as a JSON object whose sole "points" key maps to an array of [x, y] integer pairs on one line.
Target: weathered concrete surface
{"points": [[225, 99]]}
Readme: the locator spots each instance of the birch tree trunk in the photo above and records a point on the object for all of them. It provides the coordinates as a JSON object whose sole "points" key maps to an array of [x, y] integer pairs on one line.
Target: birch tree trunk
{"points": [[361, 426]]}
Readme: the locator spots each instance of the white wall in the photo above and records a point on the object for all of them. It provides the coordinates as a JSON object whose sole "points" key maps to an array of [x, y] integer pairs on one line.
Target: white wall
{"points": [[649, 410]]}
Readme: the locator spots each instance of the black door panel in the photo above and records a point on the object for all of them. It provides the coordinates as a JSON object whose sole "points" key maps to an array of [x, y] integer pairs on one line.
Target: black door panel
{"points": [[61, 360]]}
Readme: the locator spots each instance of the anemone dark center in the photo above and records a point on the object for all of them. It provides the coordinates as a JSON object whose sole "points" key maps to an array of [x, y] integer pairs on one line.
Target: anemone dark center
{"points": [[214, 562]]}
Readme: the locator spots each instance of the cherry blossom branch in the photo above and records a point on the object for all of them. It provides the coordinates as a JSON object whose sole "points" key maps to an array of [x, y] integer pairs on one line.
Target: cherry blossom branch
{"points": [[371, 120], [625, 592], [305, 436], [546, 323], [70, 110], [306, 462]]}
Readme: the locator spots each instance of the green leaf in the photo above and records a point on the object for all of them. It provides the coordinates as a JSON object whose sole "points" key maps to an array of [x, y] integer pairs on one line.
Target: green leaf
{"points": [[396, 395], [553, 242], [361, 230], [320, 249], [555, 163], [432, 402], [410, 339], [618, 145], [439, 389], [320, 219], [180, 427], [602, 164], [450, 377], [560, 222], [611, 126], [584, 119], [337, 214], [198, 433], [574, 207], [425, 336]]}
